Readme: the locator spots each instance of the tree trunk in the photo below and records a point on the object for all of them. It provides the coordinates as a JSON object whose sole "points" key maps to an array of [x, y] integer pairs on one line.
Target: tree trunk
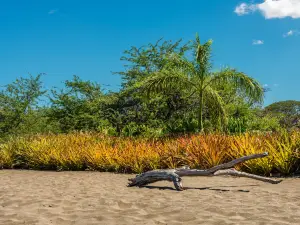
{"points": [[200, 113], [174, 175]]}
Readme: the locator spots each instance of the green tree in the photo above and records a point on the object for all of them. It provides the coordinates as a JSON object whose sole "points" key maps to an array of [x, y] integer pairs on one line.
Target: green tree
{"points": [[18, 103], [289, 107], [132, 108], [198, 79], [79, 106], [145, 60], [287, 111]]}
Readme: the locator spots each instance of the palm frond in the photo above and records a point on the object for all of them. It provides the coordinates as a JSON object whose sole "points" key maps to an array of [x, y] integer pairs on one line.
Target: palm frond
{"points": [[165, 80], [213, 98], [246, 84], [180, 63], [203, 56]]}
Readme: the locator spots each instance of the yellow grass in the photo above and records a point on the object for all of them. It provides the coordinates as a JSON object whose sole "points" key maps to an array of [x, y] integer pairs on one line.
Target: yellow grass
{"points": [[79, 151]]}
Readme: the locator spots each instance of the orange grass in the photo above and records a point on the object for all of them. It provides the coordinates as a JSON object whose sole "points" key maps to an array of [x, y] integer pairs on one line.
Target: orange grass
{"points": [[81, 151]]}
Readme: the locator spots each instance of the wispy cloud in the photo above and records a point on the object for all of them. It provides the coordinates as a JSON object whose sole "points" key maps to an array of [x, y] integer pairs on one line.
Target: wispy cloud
{"points": [[269, 87], [291, 33], [53, 11], [271, 8], [257, 42], [244, 9]]}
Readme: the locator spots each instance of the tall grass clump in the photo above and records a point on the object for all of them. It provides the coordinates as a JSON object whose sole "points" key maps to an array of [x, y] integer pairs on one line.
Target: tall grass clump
{"points": [[93, 151]]}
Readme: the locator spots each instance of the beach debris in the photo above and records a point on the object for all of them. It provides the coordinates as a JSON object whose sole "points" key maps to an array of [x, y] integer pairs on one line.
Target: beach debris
{"points": [[174, 175]]}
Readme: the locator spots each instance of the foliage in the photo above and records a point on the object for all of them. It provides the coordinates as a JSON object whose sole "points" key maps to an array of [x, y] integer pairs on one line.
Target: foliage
{"points": [[95, 151], [288, 112], [185, 95], [166, 97], [283, 148], [79, 106], [285, 107], [19, 104], [198, 80], [252, 120], [132, 108], [142, 61]]}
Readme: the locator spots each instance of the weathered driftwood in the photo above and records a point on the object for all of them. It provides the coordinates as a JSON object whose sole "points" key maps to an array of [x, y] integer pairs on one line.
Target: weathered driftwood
{"points": [[174, 175]]}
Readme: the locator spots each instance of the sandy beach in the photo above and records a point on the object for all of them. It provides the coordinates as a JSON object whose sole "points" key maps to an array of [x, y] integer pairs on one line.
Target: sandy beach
{"points": [[36, 197]]}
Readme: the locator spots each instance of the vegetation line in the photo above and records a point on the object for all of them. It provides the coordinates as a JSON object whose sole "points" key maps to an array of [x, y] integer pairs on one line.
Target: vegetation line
{"points": [[169, 89]]}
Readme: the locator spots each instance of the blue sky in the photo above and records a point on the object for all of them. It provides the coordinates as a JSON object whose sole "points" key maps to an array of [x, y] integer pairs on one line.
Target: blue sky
{"points": [[87, 38]]}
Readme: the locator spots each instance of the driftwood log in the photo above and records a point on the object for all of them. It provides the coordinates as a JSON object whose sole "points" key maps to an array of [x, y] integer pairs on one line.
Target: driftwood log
{"points": [[174, 175]]}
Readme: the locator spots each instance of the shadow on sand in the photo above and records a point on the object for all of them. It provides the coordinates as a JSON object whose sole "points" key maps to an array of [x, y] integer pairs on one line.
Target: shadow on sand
{"points": [[216, 188]]}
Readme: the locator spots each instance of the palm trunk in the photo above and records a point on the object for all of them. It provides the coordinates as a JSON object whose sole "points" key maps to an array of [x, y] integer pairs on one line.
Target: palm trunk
{"points": [[200, 113]]}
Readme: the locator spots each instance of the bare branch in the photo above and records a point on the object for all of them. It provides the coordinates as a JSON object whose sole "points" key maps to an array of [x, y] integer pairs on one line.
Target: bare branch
{"points": [[174, 175], [234, 172]]}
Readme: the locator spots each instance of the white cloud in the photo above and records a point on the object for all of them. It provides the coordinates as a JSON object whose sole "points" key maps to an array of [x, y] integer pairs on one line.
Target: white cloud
{"points": [[257, 42], [265, 85], [291, 33], [244, 9], [272, 8], [53, 11]]}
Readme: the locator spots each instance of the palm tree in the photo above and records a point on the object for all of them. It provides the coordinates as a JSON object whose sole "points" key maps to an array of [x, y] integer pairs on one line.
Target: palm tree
{"points": [[198, 79]]}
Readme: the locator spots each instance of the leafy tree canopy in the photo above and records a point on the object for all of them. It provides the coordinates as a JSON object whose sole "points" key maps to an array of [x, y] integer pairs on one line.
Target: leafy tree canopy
{"points": [[197, 79], [289, 107], [17, 101]]}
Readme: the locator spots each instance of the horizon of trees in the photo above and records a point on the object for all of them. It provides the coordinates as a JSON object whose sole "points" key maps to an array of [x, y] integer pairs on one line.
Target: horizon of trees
{"points": [[164, 92]]}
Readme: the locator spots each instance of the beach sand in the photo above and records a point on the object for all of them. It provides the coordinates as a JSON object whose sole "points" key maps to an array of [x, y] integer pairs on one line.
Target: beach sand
{"points": [[82, 198]]}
